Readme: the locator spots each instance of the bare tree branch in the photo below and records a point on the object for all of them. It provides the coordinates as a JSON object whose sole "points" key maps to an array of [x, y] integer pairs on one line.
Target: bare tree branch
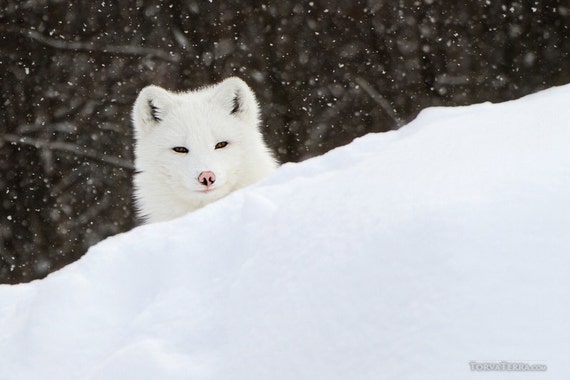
{"points": [[378, 98], [68, 147], [93, 47], [72, 224], [64, 127]]}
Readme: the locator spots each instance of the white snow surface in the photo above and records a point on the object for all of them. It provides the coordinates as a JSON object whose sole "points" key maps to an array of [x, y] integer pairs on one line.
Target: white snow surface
{"points": [[403, 255]]}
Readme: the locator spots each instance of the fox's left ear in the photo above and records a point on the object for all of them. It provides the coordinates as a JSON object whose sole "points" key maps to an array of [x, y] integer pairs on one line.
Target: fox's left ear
{"points": [[235, 96]]}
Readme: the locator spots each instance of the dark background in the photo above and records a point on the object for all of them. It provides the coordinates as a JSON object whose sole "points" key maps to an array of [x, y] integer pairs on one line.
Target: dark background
{"points": [[324, 72]]}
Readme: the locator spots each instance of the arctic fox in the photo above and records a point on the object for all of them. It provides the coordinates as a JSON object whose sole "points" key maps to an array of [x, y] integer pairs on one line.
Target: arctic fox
{"points": [[195, 147]]}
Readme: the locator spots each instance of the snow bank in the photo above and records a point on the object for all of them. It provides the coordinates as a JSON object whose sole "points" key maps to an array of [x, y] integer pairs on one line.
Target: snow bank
{"points": [[403, 255]]}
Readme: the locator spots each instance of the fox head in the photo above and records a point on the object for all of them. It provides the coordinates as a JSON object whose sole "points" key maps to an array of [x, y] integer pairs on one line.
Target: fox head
{"points": [[197, 146]]}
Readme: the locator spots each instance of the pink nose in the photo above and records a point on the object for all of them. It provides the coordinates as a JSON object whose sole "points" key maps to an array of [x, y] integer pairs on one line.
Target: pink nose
{"points": [[207, 178]]}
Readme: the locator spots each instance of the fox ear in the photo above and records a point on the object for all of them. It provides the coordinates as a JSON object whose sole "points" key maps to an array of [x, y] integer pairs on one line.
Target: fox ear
{"points": [[150, 108], [234, 95]]}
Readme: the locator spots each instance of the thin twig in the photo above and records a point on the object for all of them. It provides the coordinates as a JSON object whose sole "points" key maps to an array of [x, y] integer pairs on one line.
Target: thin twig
{"points": [[378, 98]]}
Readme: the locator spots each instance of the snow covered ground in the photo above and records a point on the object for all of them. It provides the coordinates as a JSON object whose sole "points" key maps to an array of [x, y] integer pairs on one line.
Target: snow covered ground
{"points": [[416, 254]]}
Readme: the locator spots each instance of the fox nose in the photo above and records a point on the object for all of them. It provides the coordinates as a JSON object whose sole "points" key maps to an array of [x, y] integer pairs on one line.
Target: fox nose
{"points": [[207, 178]]}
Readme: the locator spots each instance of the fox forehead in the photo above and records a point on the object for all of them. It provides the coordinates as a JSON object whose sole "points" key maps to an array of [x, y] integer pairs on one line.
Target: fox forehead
{"points": [[195, 124]]}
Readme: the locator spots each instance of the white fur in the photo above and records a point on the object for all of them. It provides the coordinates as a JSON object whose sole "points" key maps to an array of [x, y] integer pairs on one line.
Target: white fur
{"points": [[166, 183]]}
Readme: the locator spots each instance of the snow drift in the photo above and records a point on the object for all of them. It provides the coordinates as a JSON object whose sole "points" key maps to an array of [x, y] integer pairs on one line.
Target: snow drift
{"points": [[404, 255]]}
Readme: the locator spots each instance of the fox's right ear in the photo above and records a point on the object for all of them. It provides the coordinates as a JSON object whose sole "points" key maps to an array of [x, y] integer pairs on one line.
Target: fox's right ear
{"points": [[150, 107]]}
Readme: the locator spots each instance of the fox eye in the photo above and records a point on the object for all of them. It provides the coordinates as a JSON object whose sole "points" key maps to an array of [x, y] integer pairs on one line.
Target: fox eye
{"points": [[221, 144], [180, 149]]}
